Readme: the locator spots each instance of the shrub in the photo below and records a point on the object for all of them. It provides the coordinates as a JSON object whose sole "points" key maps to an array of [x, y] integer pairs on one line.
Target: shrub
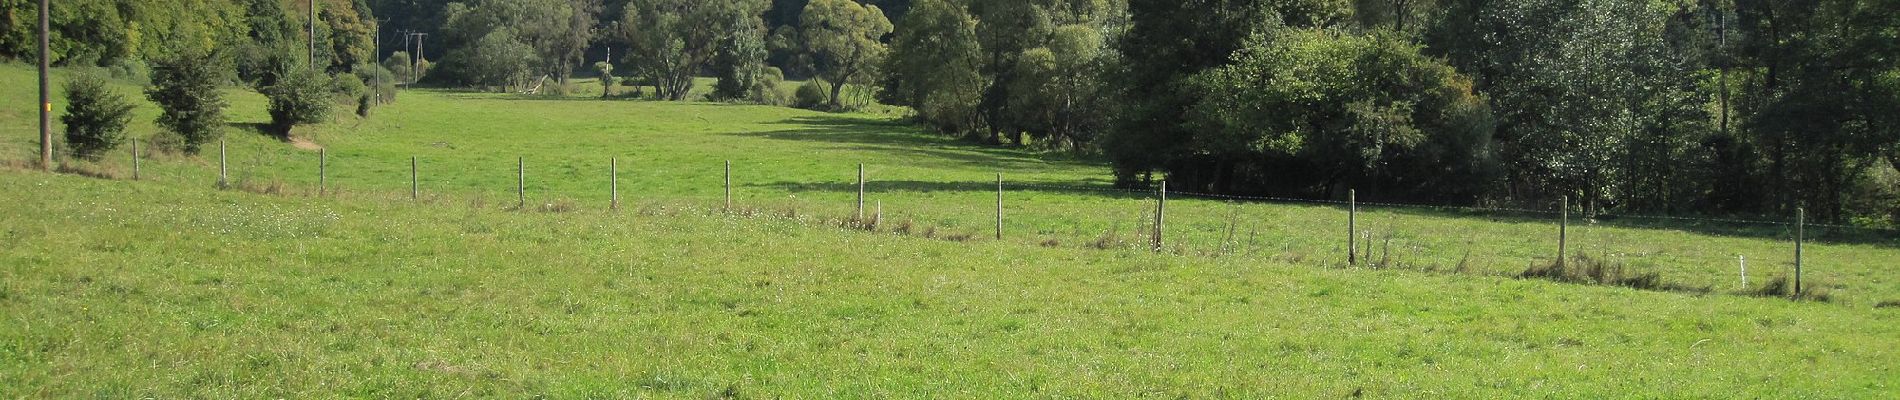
{"points": [[766, 89], [606, 71], [811, 96], [301, 98], [185, 87], [348, 87], [130, 69], [95, 116], [379, 80]]}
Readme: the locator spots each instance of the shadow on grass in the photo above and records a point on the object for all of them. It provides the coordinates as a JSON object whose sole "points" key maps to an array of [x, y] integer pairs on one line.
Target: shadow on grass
{"points": [[989, 187], [905, 138]]}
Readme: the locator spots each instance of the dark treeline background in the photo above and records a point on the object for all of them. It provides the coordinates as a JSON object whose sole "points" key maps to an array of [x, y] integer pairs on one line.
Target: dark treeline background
{"points": [[1687, 107]]}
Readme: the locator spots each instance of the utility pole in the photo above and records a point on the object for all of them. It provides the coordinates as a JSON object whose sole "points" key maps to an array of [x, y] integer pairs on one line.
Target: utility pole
{"points": [[415, 71], [46, 94], [312, 22], [376, 64]]}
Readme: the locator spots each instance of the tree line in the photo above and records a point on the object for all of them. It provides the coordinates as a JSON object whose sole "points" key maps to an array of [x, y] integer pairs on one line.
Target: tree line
{"points": [[1727, 107], [1724, 107]]}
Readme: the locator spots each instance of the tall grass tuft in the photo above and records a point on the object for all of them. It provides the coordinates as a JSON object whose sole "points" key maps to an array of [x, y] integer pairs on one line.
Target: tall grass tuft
{"points": [[1783, 287], [1593, 271]]}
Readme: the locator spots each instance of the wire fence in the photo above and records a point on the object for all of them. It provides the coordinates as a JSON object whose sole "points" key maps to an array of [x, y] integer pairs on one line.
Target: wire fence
{"points": [[1696, 254]]}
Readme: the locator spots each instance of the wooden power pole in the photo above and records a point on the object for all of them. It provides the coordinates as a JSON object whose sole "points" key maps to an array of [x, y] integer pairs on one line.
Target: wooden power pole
{"points": [[312, 23], [46, 93]]}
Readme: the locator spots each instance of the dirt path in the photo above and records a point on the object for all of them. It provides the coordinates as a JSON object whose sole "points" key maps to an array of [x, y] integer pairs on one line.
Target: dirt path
{"points": [[305, 144]]}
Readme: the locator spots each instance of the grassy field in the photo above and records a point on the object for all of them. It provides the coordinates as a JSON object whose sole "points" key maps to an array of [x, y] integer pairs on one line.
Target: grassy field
{"points": [[167, 287]]}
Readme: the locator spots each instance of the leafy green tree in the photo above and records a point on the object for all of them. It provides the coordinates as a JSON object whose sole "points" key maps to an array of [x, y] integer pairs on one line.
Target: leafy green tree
{"points": [[674, 39], [843, 39], [185, 87], [95, 116], [1322, 112], [740, 61], [934, 66], [1060, 85], [303, 97], [1582, 89], [400, 64], [1819, 92]]}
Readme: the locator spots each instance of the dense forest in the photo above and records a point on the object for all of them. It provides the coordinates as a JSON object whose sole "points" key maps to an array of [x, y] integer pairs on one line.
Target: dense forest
{"points": [[1688, 107]]}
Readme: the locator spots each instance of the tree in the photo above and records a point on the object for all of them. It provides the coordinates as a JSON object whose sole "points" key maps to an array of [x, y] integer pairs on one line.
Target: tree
{"points": [[1316, 112], [674, 39], [1584, 90], [934, 66], [185, 87], [1819, 97], [1167, 42], [401, 65], [843, 40], [95, 116], [303, 97], [1060, 83], [740, 61]]}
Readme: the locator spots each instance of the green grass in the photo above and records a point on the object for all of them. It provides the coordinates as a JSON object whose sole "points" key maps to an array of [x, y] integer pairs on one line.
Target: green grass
{"points": [[167, 287], [136, 289]]}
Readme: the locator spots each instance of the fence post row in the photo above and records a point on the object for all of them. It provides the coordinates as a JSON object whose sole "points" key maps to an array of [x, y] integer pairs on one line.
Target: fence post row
{"points": [[1352, 227]]}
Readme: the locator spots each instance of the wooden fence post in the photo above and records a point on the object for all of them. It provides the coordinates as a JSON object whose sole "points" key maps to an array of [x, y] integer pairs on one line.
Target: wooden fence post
{"points": [[1161, 211], [613, 182], [1352, 227], [224, 176], [999, 206], [1800, 222], [521, 183], [323, 161], [135, 159], [413, 195], [1563, 232], [860, 192], [728, 185]]}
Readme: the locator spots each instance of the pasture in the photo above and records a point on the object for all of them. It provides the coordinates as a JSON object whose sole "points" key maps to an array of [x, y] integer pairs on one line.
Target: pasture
{"points": [[169, 287]]}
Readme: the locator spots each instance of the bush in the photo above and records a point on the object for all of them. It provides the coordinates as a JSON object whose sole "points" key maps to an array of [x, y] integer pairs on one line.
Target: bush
{"points": [[379, 79], [95, 116], [811, 96], [766, 90], [131, 70], [348, 87], [185, 87], [606, 72], [303, 97]]}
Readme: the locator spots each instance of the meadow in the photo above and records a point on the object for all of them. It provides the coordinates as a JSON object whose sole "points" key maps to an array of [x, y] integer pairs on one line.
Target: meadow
{"points": [[169, 287]]}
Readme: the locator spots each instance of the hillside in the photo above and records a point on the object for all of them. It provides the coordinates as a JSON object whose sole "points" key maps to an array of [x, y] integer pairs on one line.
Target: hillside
{"points": [[168, 287]]}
